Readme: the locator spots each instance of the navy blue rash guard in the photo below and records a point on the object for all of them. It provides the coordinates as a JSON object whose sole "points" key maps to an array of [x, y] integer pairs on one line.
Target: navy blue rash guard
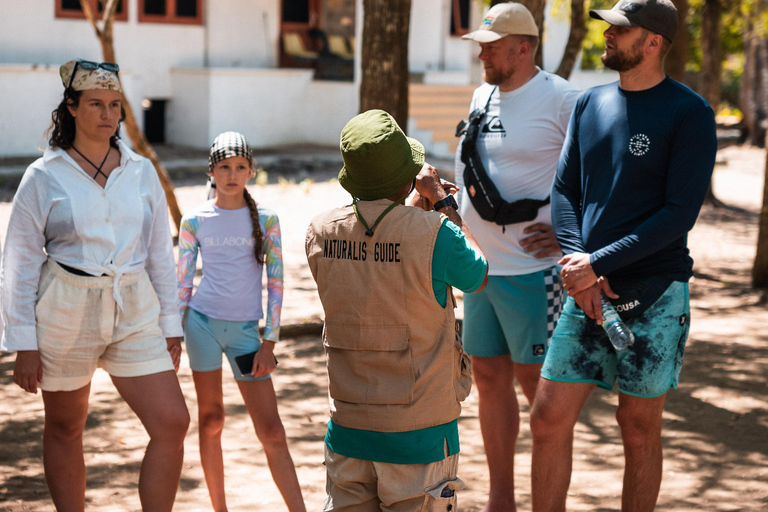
{"points": [[632, 177]]}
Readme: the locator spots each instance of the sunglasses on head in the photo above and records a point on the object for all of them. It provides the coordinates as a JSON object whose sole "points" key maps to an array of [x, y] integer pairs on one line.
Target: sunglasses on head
{"points": [[92, 66]]}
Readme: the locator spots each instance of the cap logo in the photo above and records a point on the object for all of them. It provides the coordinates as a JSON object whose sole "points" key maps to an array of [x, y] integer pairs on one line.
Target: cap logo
{"points": [[631, 7], [488, 20]]}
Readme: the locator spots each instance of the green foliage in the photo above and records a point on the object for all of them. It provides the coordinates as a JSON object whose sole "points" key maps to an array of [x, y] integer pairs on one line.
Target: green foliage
{"points": [[732, 25], [733, 67], [594, 43], [561, 10], [735, 16]]}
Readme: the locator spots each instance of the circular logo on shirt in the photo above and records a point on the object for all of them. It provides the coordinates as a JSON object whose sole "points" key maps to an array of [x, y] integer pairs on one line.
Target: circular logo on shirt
{"points": [[639, 144]]}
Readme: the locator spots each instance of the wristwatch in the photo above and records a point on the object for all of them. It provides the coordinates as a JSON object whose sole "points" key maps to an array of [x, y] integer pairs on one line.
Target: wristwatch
{"points": [[448, 200]]}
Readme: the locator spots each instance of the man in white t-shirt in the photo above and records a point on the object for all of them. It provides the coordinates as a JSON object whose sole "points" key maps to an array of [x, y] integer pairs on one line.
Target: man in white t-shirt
{"points": [[507, 325]]}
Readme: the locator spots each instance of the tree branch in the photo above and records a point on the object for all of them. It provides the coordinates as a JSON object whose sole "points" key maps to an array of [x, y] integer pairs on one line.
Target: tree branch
{"points": [[575, 38], [109, 16], [86, 6]]}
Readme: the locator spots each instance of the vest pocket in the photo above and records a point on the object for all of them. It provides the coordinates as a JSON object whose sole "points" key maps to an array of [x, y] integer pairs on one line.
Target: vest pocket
{"points": [[462, 370], [442, 497], [369, 364]]}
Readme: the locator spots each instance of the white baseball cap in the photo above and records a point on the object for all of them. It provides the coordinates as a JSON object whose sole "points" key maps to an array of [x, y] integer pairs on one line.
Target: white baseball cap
{"points": [[508, 18]]}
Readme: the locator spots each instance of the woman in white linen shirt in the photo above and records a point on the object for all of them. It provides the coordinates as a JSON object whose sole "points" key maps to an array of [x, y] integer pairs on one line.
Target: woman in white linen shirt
{"points": [[89, 280]]}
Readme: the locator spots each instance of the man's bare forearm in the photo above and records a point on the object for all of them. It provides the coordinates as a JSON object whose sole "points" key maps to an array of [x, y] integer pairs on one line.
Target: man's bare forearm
{"points": [[454, 217]]}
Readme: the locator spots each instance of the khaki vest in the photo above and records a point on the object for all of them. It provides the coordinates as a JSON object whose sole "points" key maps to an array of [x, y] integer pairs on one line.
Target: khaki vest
{"points": [[395, 362]]}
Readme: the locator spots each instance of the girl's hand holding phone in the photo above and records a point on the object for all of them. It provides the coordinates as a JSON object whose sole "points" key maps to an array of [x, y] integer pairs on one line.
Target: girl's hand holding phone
{"points": [[264, 361]]}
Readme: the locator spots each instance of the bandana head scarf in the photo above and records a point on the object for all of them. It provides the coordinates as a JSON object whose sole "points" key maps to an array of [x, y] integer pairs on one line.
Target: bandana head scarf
{"points": [[86, 79], [227, 145]]}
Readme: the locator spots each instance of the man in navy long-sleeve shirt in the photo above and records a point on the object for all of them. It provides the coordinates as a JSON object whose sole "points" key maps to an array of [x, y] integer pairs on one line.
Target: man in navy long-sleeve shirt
{"points": [[632, 176]]}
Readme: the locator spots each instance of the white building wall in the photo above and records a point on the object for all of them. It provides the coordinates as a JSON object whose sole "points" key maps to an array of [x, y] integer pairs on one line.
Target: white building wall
{"points": [[272, 106], [269, 106], [31, 34], [242, 33], [187, 115], [431, 47], [425, 40], [556, 31], [459, 54], [28, 95]]}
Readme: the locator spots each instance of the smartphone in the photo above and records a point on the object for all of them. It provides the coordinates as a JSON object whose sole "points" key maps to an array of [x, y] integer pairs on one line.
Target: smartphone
{"points": [[245, 363]]}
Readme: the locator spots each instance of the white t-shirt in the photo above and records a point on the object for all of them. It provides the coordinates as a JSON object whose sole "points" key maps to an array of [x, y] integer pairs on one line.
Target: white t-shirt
{"points": [[519, 143]]}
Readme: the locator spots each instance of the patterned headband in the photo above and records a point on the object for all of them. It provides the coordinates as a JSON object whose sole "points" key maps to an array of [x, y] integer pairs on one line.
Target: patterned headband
{"points": [[88, 79], [227, 145]]}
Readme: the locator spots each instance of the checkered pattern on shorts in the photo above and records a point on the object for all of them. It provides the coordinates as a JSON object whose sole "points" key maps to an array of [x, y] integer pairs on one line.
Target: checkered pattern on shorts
{"points": [[554, 298], [227, 145]]}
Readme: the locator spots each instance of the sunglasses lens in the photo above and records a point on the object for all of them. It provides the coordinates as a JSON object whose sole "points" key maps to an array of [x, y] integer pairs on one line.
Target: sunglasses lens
{"points": [[87, 64], [109, 66]]}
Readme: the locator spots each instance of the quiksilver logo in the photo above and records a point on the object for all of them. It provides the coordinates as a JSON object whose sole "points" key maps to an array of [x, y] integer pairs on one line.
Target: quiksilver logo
{"points": [[627, 306], [494, 126]]}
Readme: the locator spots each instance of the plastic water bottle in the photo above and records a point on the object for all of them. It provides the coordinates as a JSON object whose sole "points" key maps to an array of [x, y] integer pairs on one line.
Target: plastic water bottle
{"points": [[619, 334]]}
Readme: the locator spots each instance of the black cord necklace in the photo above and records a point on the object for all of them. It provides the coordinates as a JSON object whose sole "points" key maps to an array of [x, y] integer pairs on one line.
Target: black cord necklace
{"points": [[97, 167]]}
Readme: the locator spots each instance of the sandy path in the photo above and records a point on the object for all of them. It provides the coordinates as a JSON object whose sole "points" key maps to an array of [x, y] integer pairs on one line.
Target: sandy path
{"points": [[716, 427]]}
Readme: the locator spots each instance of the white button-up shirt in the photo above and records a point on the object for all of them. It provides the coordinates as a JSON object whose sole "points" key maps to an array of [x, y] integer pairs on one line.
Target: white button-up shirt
{"points": [[60, 212]]}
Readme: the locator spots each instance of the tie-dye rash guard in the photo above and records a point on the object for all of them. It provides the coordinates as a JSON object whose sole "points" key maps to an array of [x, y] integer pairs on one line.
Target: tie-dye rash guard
{"points": [[231, 287]]}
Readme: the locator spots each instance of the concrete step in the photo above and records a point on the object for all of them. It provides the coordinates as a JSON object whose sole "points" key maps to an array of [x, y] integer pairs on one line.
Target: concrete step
{"points": [[441, 89], [438, 123], [427, 111], [436, 110]]}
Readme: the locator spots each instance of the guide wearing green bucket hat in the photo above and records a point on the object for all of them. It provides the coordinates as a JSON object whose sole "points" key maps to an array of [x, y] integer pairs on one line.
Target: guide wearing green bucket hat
{"points": [[379, 159], [396, 371]]}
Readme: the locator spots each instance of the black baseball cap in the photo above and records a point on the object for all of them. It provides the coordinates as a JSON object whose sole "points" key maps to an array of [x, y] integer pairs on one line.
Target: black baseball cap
{"points": [[659, 16]]}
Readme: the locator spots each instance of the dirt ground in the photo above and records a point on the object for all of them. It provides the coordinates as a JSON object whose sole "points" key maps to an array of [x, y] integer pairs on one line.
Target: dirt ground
{"points": [[715, 425]]}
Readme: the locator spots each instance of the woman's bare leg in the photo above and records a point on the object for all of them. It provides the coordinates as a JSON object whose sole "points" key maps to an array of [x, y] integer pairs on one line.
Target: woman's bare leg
{"points": [[157, 401], [65, 415]]}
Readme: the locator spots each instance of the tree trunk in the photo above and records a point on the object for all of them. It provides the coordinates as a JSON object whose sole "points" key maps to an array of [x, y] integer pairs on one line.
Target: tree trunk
{"points": [[711, 53], [678, 54], [575, 38], [760, 268], [537, 10], [756, 95], [748, 85], [759, 46], [139, 140], [711, 66], [385, 58]]}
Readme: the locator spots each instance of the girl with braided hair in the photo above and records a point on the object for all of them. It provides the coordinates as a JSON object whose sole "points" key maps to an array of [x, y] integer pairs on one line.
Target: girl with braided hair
{"points": [[237, 239]]}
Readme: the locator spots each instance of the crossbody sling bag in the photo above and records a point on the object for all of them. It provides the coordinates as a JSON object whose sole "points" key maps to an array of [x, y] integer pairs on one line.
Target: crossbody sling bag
{"points": [[483, 193]]}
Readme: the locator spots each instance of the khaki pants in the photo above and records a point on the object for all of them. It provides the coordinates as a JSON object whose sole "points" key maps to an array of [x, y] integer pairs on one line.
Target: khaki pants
{"points": [[355, 485]]}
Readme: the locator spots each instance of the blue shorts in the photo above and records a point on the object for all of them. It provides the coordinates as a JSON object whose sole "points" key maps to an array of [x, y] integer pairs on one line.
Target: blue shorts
{"points": [[207, 338], [513, 315], [581, 352]]}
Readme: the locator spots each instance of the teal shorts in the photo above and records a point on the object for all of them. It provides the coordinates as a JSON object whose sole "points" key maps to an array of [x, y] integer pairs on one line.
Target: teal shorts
{"points": [[208, 338], [513, 315], [581, 352]]}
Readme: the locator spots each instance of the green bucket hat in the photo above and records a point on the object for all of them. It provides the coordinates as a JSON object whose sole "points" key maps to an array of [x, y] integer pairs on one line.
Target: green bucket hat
{"points": [[379, 159]]}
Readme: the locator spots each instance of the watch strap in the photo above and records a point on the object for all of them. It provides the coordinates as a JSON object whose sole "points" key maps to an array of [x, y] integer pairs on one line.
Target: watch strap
{"points": [[448, 200]]}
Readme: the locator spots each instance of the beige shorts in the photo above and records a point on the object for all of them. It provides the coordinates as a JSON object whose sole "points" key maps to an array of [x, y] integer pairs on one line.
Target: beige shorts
{"points": [[355, 485], [80, 328]]}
